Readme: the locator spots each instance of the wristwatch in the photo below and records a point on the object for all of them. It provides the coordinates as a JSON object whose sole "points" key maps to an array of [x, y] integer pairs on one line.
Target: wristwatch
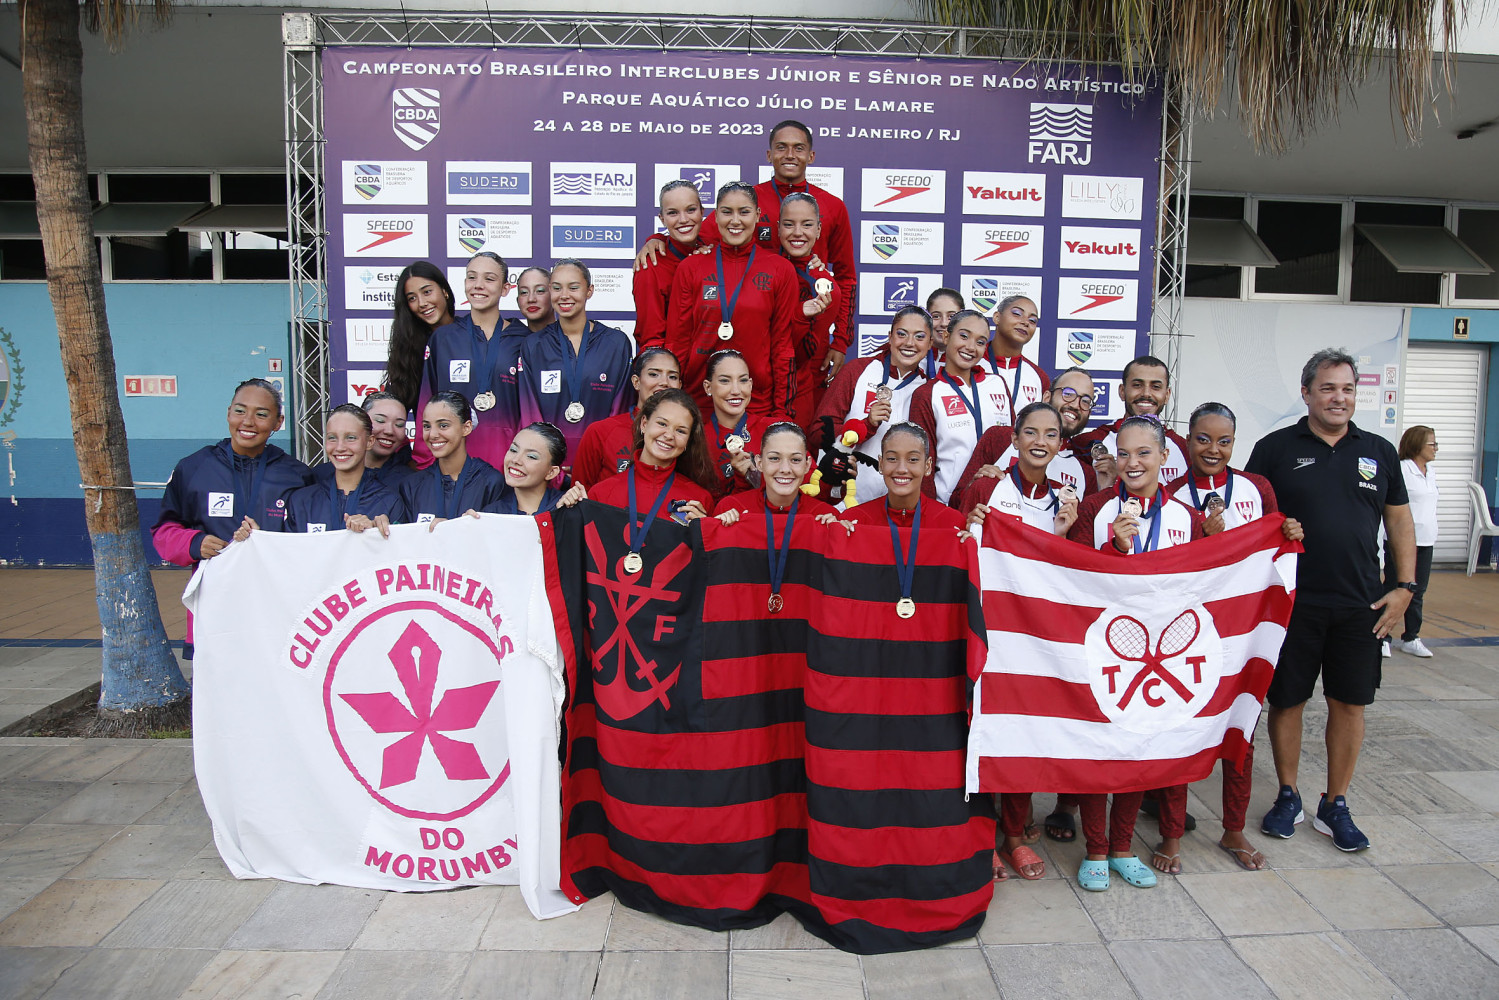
{"points": [[1413, 586]]}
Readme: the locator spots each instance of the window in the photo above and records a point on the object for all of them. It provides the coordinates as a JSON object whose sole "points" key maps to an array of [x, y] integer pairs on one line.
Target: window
{"points": [[1375, 279], [1214, 225], [1479, 229], [139, 218], [1307, 238]]}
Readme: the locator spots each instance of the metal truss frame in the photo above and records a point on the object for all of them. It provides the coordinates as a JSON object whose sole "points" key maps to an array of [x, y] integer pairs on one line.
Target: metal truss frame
{"points": [[311, 395]]}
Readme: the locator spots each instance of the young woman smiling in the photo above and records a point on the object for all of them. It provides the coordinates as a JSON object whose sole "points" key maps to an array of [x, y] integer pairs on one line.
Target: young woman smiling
{"points": [[732, 432], [783, 462], [354, 497], [671, 457], [456, 481], [424, 302], [1024, 491], [608, 445], [739, 296], [535, 459], [681, 213], [956, 407], [813, 337]]}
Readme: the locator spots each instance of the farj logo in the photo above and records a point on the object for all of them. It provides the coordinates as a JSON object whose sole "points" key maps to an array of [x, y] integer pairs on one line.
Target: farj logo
{"points": [[1061, 133], [610, 237], [489, 182], [987, 192], [416, 115], [593, 184], [995, 244], [903, 191]]}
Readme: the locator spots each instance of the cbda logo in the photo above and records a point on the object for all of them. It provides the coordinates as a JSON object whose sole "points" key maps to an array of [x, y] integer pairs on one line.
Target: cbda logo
{"points": [[416, 115], [367, 180]]}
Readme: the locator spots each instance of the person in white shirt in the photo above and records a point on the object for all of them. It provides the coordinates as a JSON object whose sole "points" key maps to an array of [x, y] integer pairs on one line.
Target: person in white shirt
{"points": [[1418, 449]]}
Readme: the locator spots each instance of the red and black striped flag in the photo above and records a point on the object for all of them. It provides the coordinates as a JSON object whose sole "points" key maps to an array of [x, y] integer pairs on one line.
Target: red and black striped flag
{"points": [[724, 763]]}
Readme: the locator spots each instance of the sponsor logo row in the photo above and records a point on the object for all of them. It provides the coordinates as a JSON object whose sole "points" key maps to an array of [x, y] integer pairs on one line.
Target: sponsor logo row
{"points": [[983, 244], [615, 185]]}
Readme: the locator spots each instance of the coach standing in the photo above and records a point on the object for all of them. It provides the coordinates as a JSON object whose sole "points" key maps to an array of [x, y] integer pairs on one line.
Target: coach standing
{"points": [[1339, 481]]}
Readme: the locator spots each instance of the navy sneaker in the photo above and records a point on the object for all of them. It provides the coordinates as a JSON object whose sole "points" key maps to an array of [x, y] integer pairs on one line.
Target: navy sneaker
{"points": [[1334, 820], [1282, 818]]}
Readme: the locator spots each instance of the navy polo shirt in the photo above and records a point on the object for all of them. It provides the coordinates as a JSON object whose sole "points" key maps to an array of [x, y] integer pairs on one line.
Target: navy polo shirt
{"points": [[1338, 492]]}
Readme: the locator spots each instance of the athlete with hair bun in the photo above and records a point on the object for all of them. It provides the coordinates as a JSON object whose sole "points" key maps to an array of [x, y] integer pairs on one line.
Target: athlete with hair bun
{"points": [[961, 403], [533, 299], [535, 460], [608, 445], [821, 300], [353, 496], [733, 431], [456, 481], [680, 210]]}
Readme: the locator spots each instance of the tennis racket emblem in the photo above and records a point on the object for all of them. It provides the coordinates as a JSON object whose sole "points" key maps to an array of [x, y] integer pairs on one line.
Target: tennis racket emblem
{"points": [[1129, 640]]}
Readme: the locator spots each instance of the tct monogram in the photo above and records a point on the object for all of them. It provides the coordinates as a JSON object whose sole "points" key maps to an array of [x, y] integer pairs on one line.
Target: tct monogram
{"points": [[1129, 640]]}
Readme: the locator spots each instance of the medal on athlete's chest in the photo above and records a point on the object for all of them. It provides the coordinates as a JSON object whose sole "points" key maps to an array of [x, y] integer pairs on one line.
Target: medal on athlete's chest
{"points": [[484, 401], [574, 412]]}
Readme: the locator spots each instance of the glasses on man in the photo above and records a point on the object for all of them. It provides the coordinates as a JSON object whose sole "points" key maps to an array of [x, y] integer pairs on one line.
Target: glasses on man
{"points": [[1073, 396]]}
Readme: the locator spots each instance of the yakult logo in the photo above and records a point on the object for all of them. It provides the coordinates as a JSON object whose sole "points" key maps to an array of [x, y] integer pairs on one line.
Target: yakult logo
{"points": [[1099, 249], [1061, 133], [986, 192], [1150, 671], [416, 115]]}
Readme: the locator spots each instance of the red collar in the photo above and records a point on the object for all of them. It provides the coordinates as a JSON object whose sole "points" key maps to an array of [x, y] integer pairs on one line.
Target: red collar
{"points": [[1145, 502], [1007, 363], [1206, 482], [902, 518]]}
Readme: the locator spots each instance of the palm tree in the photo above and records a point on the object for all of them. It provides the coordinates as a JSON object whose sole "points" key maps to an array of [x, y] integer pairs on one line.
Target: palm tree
{"points": [[141, 683], [1291, 62]]}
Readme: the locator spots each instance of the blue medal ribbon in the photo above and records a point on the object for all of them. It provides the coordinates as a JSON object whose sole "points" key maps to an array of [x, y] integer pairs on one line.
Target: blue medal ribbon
{"points": [[1020, 486], [1153, 539], [889, 372], [482, 380], [1228, 489], [572, 363], [975, 407], [449, 512], [640, 530], [244, 496], [905, 570], [778, 558], [726, 302]]}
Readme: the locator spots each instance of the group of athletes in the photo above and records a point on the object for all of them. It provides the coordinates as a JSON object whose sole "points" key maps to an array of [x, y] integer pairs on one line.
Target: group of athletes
{"points": [[737, 381]]}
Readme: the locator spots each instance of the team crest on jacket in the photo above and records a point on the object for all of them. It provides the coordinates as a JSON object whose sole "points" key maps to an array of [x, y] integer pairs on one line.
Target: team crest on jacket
{"points": [[1367, 468], [416, 115], [1152, 671]]}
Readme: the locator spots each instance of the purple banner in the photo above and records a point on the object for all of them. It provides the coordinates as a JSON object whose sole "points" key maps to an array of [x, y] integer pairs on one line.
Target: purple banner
{"points": [[990, 177]]}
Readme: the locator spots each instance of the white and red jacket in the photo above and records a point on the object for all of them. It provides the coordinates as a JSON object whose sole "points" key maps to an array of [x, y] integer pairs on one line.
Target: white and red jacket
{"points": [[997, 448], [653, 293], [1024, 381], [1174, 466], [1180, 524], [835, 249], [850, 397], [763, 321], [1036, 504], [1246, 497], [943, 408]]}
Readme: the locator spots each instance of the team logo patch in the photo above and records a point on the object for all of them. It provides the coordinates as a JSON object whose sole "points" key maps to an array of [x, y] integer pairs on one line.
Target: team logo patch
{"points": [[1080, 346], [886, 240], [551, 381], [416, 115], [1367, 468], [954, 406], [710, 293], [762, 282], [1149, 672], [367, 182], [221, 505]]}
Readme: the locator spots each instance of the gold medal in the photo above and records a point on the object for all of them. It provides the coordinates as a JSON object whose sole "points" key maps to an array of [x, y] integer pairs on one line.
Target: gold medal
{"points": [[1132, 507], [725, 331], [574, 412], [633, 563], [733, 444], [484, 401], [905, 607], [775, 604], [823, 286]]}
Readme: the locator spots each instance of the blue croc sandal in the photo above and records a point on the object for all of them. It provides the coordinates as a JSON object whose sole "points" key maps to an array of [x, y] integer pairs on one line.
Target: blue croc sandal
{"points": [[1093, 875], [1134, 871]]}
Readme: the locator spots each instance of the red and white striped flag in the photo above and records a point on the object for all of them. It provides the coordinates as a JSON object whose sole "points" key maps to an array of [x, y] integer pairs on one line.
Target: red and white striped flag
{"points": [[1112, 674]]}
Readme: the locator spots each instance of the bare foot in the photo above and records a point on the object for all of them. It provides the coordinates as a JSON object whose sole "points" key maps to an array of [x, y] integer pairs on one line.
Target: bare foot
{"points": [[1242, 851], [1167, 857]]}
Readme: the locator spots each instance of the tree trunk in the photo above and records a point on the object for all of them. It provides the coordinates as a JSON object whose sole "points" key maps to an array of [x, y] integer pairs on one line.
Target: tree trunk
{"points": [[139, 670]]}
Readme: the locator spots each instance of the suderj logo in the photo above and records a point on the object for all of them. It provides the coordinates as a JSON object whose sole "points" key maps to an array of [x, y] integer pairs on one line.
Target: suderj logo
{"points": [[489, 182], [900, 292], [367, 180], [580, 237], [1061, 133], [704, 179], [984, 294], [1080, 346], [416, 115], [472, 233], [886, 239]]}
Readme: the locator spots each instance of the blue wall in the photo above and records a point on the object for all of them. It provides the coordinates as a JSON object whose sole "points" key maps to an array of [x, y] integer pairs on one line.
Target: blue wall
{"points": [[211, 336]]}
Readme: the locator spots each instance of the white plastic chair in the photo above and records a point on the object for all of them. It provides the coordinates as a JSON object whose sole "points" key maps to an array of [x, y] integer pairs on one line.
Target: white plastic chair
{"points": [[1483, 524]]}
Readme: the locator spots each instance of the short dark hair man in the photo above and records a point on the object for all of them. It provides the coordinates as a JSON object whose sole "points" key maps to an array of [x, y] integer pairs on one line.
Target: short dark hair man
{"points": [[1341, 483], [1144, 389]]}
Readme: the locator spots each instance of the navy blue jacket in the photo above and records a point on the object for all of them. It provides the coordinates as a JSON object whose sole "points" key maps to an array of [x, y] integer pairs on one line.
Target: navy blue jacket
{"points": [[508, 504], [428, 494], [391, 473], [312, 508], [602, 370], [206, 497]]}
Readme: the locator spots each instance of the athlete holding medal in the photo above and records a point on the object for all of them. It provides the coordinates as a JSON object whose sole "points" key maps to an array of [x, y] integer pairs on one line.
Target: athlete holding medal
{"points": [[732, 431]]}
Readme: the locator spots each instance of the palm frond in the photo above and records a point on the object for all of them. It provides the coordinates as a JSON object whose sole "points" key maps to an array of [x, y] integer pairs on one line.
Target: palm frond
{"points": [[115, 19], [1291, 61]]}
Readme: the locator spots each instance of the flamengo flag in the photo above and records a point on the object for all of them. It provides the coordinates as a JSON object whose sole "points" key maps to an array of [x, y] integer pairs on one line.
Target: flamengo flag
{"points": [[381, 713], [1116, 674]]}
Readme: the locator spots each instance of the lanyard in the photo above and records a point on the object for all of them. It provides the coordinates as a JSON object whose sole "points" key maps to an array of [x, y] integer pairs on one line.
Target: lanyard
{"points": [[639, 531], [726, 302], [1228, 489], [676, 251], [572, 363], [449, 513], [1153, 540], [484, 378], [905, 570], [931, 363], [338, 504], [1013, 388], [1020, 486], [805, 273], [903, 382], [244, 496], [778, 558], [975, 407], [742, 430]]}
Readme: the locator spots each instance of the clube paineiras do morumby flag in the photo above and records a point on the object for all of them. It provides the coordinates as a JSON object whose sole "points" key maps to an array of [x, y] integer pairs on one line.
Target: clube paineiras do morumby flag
{"points": [[724, 764]]}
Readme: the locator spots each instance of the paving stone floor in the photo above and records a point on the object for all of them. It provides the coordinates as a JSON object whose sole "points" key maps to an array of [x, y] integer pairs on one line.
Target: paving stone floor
{"points": [[110, 887]]}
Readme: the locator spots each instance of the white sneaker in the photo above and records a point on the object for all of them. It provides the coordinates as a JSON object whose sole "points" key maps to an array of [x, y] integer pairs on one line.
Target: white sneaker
{"points": [[1415, 647], [1384, 649]]}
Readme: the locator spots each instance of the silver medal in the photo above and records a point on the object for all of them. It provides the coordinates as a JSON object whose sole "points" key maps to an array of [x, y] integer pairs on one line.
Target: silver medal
{"points": [[574, 412], [633, 563], [484, 401], [905, 607], [725, 331]]}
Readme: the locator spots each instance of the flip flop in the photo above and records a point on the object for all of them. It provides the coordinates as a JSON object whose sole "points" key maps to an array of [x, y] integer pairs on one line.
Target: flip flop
{"points": [[1244, 857], [1000, 875], [1061, 820], [1031, 834], [1173, 861], [1134, 871], [1093, 875], [1022, 858]]}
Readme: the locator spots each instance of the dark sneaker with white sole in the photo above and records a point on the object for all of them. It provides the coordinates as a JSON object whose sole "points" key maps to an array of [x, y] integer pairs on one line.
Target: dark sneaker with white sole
{"points": [[1334, 820], [1282, 818]]}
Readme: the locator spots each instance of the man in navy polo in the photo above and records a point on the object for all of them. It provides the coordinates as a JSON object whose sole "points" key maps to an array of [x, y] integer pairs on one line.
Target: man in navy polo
{"points": [[1340, 482]]}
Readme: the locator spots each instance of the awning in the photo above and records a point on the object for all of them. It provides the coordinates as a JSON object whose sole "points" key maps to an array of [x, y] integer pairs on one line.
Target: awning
{"points": [[1226, 243], [142, 218], [1423, 249], [238, 219], [18, 220]]}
